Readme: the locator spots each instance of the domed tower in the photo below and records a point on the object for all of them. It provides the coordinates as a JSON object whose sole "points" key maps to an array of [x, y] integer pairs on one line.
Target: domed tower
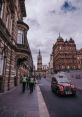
{"points": [[39, 62]]}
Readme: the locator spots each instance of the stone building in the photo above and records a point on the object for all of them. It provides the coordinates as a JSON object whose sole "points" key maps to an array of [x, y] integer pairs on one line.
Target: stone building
{"points": [[39, 64], [79, 59], [51, 64], [41, 69], [64, 55], [23, 54], [44, 70], [12, 50]]}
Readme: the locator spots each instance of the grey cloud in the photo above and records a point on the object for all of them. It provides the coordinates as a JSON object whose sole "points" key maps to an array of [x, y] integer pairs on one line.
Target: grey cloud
{"points": [[68, 7]]}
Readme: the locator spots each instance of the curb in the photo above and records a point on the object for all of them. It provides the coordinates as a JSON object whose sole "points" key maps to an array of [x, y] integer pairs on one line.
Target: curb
{"points": [[43, 111]]}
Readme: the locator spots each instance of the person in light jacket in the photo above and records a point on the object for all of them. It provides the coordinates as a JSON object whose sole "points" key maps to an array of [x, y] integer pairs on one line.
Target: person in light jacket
{"points": [[24, 83]]}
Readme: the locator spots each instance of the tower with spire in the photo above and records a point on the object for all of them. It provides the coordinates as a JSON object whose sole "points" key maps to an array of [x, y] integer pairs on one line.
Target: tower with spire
{"points": [[39, 62]]}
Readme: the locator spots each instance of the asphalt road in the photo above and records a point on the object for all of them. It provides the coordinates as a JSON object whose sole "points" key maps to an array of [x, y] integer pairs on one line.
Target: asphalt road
{"points": [[68, 106]]}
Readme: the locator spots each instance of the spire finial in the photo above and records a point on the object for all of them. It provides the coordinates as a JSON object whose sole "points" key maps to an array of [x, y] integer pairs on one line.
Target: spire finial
{"points": [[39, 51], [59, 34]]}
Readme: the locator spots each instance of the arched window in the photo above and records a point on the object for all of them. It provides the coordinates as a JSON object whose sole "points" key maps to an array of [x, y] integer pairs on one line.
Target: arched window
{"points": [[20, 37]]}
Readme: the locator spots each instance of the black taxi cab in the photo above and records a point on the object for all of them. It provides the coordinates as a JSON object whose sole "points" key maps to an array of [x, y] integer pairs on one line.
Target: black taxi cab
{"points": [[62, 86]]}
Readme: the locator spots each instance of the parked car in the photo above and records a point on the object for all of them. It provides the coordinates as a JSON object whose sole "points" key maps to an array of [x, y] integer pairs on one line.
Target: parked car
{"points": [[62, 86]]}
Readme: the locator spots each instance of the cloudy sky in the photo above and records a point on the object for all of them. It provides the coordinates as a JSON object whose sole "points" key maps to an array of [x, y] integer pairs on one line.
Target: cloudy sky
{"points": [[46, 18]]}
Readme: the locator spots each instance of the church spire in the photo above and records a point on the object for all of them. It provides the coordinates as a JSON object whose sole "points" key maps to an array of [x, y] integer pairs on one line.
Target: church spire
{"points": [[39, 61], [59, 35], [39, 52]]}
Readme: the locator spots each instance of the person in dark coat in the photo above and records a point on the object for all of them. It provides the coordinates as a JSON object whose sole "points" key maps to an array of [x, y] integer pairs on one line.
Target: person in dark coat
{"points": [[27, 82], [31, 84]]}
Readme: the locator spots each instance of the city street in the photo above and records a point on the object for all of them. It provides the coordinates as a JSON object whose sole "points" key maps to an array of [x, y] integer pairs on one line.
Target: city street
{"points": [[61, 106]]}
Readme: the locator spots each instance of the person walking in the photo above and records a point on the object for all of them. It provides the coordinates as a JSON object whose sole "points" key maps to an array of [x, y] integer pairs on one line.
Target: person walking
{"points": [[31, 84], [23, 83], [27, 82]]}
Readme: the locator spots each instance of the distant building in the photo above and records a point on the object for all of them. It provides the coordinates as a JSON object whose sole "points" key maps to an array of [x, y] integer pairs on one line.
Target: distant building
{"points": [[64, 55], [34, 71], [41, 69], [39, 64], [39, 61], [51, 64], [79, 59], [44, 70]]}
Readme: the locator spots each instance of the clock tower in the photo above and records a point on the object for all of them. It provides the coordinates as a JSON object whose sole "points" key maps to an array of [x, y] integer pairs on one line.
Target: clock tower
{"points": [[39, 62]]}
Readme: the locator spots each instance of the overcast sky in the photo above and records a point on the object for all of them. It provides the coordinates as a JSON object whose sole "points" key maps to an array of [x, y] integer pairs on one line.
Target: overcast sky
{"points": [[46, 18]]}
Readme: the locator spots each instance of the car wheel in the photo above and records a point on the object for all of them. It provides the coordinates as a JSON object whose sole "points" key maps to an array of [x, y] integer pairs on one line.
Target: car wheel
{"points": [[52, 89], [74, 94]]}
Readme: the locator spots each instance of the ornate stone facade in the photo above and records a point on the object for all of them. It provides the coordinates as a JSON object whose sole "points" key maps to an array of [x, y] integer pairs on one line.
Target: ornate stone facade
{"points": [[41, 69], [23, 54], [64, 55], [39, 61], [11, 11], [79, 59], [39, 64]]}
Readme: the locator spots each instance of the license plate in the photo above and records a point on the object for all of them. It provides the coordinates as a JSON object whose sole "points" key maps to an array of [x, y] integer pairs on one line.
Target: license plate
{"points": [[68, 92]]}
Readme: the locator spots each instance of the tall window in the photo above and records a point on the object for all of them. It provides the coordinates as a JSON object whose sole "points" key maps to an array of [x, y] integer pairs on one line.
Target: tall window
{"points": [[1, 64], [1, 8], [20, 37]]}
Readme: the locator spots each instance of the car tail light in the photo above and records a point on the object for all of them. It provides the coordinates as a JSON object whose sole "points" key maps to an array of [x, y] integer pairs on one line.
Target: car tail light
{"points": [[61, 87]]}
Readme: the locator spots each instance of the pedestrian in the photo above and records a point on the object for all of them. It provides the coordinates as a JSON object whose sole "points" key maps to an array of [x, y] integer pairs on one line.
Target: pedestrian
{"points": [[27, 82], [31, 84], [23, 83]]}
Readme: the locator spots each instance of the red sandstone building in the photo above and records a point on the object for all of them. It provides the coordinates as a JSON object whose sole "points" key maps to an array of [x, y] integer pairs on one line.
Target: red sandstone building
{"points": [[64, 55], [79, 59]]}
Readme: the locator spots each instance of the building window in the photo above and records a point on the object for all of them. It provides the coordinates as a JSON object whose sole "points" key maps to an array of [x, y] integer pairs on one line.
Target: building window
{"points": [[1, 8], [20, 37], [1, 64], [68, 67], [60, 48], [11, 26], [7, 21]]}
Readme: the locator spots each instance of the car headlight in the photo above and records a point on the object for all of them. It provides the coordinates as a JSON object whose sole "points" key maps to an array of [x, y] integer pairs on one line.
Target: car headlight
{"points": [[72, 86]]}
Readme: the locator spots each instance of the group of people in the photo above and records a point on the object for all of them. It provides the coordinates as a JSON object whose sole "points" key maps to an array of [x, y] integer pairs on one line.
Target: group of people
{"points": [[28, 82]]}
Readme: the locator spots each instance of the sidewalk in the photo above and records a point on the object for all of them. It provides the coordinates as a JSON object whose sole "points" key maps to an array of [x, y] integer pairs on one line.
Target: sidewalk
{"points": [[17, 104]]}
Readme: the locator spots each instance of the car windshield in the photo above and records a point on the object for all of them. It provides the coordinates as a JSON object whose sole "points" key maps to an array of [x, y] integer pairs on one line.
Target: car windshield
{"points": [[62, 79]]}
